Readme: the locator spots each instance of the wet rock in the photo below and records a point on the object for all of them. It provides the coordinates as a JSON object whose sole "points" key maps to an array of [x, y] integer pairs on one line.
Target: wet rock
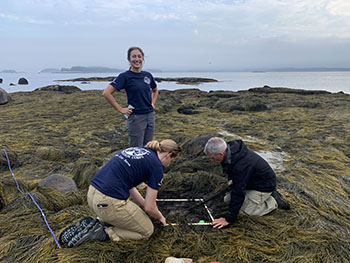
{"points": [[241, 104], [168, 102], [0, 80], [3, 97], [268, 89], [187, 109], [22, 81], [196, 145], [60, 182], [61, 88], [12, 84], [222, 94]]}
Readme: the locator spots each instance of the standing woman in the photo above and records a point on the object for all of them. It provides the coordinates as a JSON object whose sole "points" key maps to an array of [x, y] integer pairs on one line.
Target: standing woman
{"points": [[142, 92], [120, 218]]}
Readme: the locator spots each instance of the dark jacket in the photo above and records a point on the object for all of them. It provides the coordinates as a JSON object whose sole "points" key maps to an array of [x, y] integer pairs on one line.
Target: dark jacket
{"points": [[248, 171]]}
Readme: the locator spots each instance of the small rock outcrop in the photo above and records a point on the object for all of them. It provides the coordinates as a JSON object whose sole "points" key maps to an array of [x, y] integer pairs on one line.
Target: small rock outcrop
{"points": [[0, 80], [22, 81], [3, 97], [60, 182], [187, 109], [61, 88], [268, 89]]}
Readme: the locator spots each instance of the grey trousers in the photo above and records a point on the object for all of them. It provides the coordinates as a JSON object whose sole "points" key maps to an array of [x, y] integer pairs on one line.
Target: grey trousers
{"points": [[140, 128], [256, 203]]}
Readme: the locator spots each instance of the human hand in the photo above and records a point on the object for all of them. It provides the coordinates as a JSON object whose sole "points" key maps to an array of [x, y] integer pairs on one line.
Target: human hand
{"points": [[219, 222], [127, 111], [162, 220]]}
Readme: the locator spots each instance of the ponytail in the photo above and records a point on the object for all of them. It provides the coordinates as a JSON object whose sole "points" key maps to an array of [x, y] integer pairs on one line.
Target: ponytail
{"points": [[167, 145], [153, 145]]}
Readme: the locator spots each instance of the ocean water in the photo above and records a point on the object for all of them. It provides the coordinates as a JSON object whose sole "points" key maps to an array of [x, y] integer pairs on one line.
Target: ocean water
{"points": [[233, 81]]}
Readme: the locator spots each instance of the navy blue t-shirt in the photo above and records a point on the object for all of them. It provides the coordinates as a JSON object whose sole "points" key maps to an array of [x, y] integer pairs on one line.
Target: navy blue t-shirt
{"points": [[138, 89], [128, 169]]}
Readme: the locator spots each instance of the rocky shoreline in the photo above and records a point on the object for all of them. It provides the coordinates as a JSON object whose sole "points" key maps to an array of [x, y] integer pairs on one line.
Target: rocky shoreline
{"points": [[184, 80], [66, 131]]}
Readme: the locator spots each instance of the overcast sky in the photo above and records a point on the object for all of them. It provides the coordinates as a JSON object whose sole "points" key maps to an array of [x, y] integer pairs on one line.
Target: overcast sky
{"points": [[174, 34]]}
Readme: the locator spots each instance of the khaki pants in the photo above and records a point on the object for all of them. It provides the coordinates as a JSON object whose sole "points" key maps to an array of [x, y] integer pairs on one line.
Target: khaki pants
{"points": [[256, 203], [128, 221]]}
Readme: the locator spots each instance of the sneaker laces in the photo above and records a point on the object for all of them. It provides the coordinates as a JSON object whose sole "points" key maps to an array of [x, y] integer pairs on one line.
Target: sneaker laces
{"points": [[75, 240], [74, 229]]}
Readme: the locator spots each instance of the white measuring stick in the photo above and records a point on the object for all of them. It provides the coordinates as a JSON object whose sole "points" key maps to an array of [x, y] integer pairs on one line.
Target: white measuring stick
{"points": [[190, 224], [211, 216], [180, 200]]}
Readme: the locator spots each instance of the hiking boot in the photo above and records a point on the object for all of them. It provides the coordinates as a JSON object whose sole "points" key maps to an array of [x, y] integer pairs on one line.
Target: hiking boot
{"points": [[281, 203], [74, 229], [93, 231]]}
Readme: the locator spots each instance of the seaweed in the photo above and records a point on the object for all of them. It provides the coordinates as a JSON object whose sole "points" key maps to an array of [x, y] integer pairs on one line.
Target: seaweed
{"points": [[74, 134]]}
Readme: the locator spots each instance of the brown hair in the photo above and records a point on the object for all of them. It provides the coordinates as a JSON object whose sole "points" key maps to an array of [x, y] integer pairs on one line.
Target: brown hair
{"points": [[167, 145], [134, 48]]}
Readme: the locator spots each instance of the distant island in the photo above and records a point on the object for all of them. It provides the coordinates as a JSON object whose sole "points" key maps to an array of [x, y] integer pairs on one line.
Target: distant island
{"points": [[185, 80], [81, 69], [9, 71], [320, 69], [50, 70]]}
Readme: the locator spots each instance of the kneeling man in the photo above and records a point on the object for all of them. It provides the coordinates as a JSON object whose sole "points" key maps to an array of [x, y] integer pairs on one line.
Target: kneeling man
{"points": [[252, 180]]}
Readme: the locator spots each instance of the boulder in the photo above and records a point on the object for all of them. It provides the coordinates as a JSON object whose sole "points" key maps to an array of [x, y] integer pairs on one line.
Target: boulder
{"points": [[23, 81], [62, 88], [3, 97], [196, 145], [0, 80], [60, 182]]}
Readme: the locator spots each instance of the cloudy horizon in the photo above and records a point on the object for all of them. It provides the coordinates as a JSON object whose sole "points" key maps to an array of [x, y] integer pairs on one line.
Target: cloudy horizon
{"points": [[175, 35]]}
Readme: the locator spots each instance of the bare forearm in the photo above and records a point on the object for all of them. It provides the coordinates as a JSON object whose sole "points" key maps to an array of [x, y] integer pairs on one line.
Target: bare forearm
{"points": [[155, 213], [137, 197], [154, 96]]}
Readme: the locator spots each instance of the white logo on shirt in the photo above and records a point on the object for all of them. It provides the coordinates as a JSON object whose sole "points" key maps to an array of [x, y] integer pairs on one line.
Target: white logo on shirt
{"points": [[147, 80], [135, 153]]}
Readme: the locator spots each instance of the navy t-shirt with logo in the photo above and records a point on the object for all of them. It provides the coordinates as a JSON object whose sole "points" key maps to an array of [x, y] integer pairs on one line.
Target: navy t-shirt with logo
{"points": [[138, 89], [128, 169]]}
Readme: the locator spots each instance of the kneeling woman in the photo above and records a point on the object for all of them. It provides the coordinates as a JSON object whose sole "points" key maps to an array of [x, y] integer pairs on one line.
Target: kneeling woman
{"points": [[119, 218]]}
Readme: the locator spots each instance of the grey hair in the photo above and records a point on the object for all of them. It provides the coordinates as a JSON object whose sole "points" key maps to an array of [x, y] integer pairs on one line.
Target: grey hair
{"points": [[215, 145]]}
